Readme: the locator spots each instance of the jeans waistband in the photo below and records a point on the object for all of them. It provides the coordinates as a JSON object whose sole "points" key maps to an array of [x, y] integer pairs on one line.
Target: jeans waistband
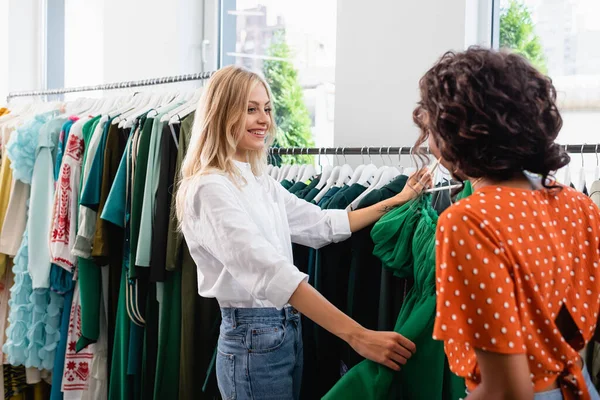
{"points": [[236, 316]]}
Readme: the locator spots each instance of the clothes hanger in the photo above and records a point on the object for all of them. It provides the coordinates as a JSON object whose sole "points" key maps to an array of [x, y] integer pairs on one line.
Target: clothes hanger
{"points": [[147, 102], [301, 169], [345, 171], [135, 99], [358, 171], [309, 172], [139, 99], [325, 172], [581, 183], [597, 170], [155, 101], [177, 114], [329, 184], [567, 173], [370, 175]]}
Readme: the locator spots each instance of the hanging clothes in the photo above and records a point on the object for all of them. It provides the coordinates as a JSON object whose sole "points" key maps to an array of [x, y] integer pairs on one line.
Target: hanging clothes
{"points": [[34, 314], [405, 241]]}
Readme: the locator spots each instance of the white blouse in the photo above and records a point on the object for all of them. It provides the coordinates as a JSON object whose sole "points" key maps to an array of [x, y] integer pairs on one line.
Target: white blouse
{"points": [[241, 238]]}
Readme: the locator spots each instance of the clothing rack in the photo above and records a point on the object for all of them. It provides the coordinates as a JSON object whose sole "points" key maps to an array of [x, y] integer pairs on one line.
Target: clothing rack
{"points": [[113, 86], [385, 150]]}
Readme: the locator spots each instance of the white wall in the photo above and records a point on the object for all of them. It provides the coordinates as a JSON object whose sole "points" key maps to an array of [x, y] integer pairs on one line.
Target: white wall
{"points": [[20, 46], [383, 48], [151, 38]]}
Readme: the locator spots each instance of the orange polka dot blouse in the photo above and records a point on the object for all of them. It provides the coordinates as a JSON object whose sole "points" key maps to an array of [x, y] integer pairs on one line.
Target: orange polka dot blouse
{"points": [[507, 260]]}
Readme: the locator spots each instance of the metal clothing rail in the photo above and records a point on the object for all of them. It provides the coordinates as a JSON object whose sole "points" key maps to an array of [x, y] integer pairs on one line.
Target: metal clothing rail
{"points": [[385, 150], [115, 85]]}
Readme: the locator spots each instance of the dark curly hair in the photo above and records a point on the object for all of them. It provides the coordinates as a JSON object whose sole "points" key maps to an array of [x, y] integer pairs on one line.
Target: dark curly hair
{"points": [[491, 114]]}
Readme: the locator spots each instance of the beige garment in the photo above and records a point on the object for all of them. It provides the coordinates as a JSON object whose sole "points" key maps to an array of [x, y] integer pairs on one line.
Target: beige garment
{"points": [[16, 218]]}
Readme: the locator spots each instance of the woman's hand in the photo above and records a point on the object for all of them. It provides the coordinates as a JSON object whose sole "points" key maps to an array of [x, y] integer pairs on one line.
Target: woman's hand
{"points": [[388, 348], [415, 185]]}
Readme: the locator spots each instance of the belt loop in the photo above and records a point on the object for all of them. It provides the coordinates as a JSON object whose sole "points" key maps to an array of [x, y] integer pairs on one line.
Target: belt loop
{"points": [[233, 318]]}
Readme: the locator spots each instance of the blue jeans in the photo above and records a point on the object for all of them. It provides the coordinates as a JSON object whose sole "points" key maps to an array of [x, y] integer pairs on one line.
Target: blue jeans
{"points": [[259, 354], [555, 394]]}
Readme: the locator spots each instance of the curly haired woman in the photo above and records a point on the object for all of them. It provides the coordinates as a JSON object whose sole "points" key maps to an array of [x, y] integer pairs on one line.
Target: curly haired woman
{"points": [[517, 262]]}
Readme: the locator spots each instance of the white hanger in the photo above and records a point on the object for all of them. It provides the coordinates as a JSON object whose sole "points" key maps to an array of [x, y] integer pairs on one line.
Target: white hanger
{"points": [[309, 173], [597, 170], [139, 99], [134, 100], [345, 172], [581, 183], [292, 172], [378, 174], [325, 173], [155, 101], [332, 178], [274, 172], [566, 172], [147, 101], [177, 114]]}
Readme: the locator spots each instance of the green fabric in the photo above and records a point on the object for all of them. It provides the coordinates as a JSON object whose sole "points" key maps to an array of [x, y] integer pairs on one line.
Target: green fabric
{"points": [[166, 384], [312, 193], [115, 211], [286, 184], [335, 198], [302, 193], [325, 204], [347, 195], [141, 166], [89, 274], [405, 242], [296, 187], [175, 237], [120, 386], [144, 241]]}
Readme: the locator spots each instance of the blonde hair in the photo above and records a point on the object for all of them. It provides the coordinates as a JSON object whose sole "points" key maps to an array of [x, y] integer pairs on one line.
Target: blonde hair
{"points": [[220, 117]]}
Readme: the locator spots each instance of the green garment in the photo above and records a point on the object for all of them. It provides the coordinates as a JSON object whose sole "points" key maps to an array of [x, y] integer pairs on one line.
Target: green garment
{"points": [[324, 204], [137, 195], [166, 383], [89, 274], [346, 196], [115, 211], [144, 241], [175, 237], [312, 193], [287, 184], [302, 193], [297, 186], [405, 241], [90, 329], [200, 317]]}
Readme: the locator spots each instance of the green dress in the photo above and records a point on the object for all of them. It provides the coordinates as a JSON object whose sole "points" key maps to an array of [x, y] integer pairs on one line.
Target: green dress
{"points": [[405, 242]]}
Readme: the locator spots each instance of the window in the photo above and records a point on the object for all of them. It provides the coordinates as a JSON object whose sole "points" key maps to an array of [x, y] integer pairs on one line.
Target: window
{"points": [[561, 38], [293, 45]]}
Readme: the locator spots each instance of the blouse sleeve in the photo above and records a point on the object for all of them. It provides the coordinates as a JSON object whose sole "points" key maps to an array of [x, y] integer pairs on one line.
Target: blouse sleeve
{"points": [[475, 290], [309, 224], [223, 228]]}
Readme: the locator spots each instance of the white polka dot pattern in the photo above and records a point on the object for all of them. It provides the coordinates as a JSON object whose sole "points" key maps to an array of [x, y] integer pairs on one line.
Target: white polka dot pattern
{"points": [[507, 261]]}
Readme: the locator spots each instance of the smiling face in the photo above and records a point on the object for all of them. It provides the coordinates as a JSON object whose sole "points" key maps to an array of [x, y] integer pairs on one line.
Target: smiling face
{"points": [[258, 122]]}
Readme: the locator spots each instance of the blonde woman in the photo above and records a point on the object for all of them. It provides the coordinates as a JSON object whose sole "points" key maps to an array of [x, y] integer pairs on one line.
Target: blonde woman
{"points": [[239, 225]]}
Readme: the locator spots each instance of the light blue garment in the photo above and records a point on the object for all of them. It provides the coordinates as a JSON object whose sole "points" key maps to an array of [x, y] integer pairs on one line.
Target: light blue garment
{"points": [[34, 315], [41, 201], [263, 345], [144, 249]]}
